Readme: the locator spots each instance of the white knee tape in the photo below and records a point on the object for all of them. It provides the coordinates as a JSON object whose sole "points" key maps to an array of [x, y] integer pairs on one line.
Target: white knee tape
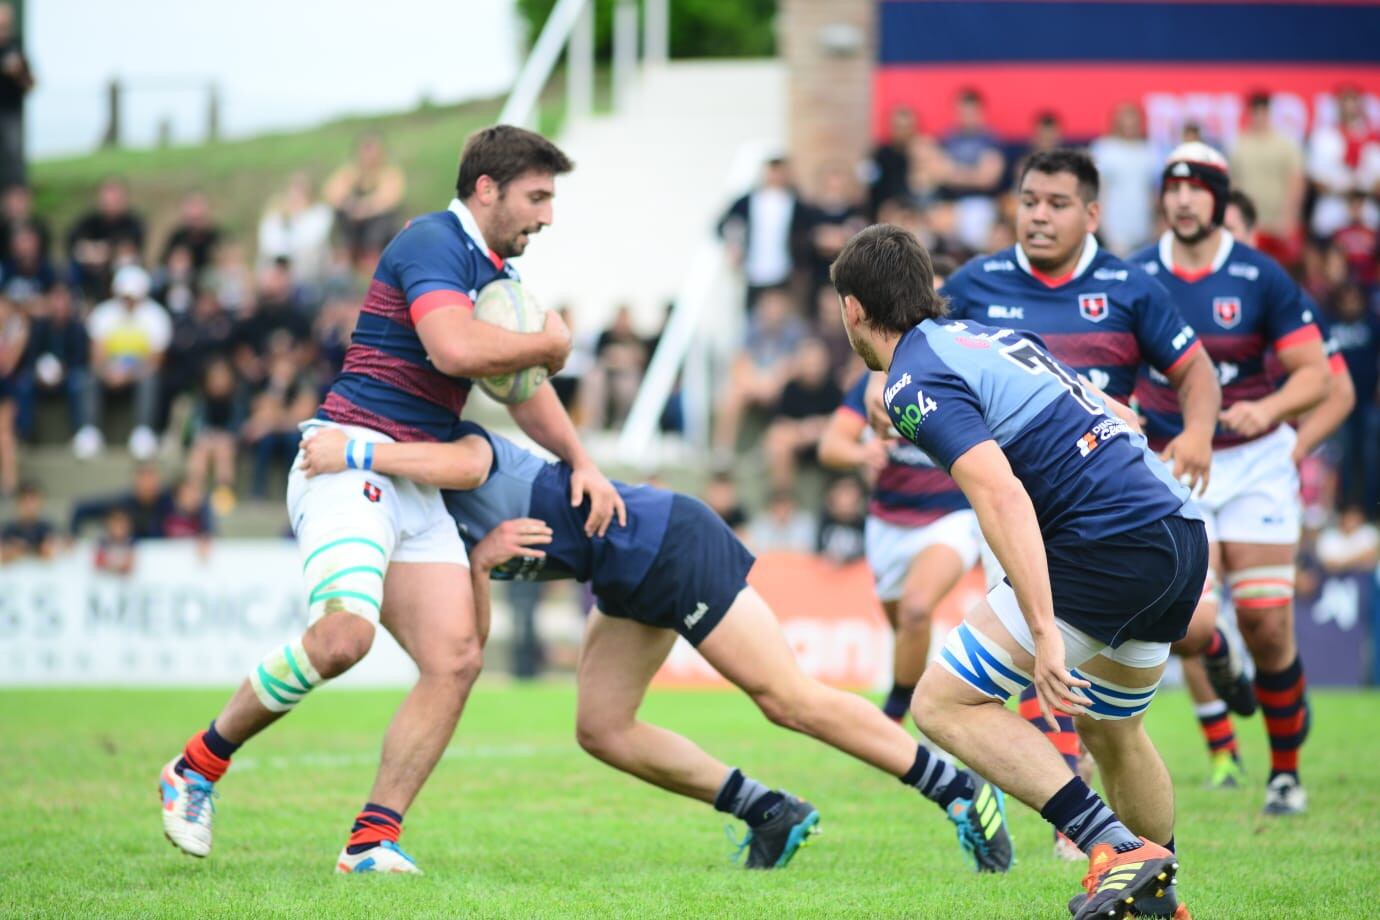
{"points": [[982, 664], [344, 574], [1262, 586], [1113, 701], [284, 676]]}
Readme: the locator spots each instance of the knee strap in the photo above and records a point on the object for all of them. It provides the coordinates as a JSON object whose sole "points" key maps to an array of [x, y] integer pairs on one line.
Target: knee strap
{"points": [[1262, 586], [1113, 701], [982, 664], [284, 676], [345, 575]]}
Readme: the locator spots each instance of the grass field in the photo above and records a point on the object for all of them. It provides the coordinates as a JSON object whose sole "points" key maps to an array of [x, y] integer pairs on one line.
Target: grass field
{"points": [[518, 822]]}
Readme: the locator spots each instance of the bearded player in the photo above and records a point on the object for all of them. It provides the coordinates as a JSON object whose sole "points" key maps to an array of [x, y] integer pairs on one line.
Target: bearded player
{"points": [[382, 550]]}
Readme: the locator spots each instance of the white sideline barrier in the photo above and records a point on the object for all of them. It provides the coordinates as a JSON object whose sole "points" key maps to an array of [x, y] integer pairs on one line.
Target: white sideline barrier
{"points": [[179, 619]]}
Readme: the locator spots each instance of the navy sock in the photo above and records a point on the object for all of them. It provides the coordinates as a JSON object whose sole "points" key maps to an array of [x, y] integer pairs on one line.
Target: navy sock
{"points": [[1082, 816], [898, 701], [937, 779], [217, 744], [746, 798], [1170, 845]]}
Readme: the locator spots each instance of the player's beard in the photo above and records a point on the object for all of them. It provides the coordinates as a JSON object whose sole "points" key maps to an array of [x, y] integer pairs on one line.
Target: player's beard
{"points": [[865, 351], [1203, 231]]}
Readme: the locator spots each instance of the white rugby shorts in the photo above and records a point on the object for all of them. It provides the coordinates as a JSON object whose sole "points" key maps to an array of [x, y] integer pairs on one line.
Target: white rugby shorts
{"points": [[891, 548], [1253, 493]]}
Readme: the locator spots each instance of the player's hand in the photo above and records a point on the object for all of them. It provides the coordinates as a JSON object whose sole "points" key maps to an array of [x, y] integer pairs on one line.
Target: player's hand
{"points": [[558, 334], [1249, 418], [877, 416], [876, 455], [1190, 455], [323, 452], [1056, 689], [518, 537], [604, 500]]}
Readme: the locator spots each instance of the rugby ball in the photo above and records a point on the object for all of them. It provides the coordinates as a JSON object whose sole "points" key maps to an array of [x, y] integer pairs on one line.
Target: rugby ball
{"points": [[507, 304]]}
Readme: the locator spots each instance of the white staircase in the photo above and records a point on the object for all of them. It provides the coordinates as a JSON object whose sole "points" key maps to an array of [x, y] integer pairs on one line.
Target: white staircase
{"points": [[649, 184]]}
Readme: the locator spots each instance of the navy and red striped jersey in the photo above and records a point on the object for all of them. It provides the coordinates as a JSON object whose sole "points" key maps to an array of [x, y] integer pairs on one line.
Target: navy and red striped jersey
{"points": [[388, 383], [1244, 306], [910, 490], [1105, 319]]}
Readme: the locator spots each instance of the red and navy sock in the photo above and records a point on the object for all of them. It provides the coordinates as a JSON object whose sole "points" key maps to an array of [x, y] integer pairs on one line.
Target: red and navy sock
{"points": [[206, 753], [898, 701], [1065, 740], [373, 825], [1285, 707], [1217, 646], [1218, 732]]}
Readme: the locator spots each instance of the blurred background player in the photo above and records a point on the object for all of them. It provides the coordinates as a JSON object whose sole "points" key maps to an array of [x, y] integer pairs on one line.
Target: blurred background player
{"points": [[1098, 314], [1057, 482], [383, 550], [676, 569], [1244, 305]]}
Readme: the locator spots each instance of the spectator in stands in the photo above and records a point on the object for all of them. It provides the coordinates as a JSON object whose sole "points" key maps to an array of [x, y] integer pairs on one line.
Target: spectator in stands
{"points": [[30, 533], [100, 235], [185, 513], [1358, 240], [332, 330], [61, 351], [115, 546], [232, 279], [1341, 157], [14, 341], [215, 423], [143, 505], [1046, 133], [887, 172], [26, 272], [1130, 174], [289, 396], [174, 283], [840, 535], [610, 385], [277, 307], [130, 334], [759, 229], [1351, 545], [17, 210], [296, 226], [760, 369], [806, 402], [16, 80], [721, 495], [827, 222], [367, 195], [196, 231], [782, 527], [974, 171], [199, 337], [1357, 332], [1267, 165]]}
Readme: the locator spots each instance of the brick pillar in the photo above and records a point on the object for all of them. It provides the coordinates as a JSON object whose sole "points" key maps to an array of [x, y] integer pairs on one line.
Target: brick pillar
{"points": [[829, 47]]}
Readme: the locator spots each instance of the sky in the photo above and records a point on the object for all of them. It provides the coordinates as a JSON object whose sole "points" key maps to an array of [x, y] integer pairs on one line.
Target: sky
{"points": [[278, 63]]}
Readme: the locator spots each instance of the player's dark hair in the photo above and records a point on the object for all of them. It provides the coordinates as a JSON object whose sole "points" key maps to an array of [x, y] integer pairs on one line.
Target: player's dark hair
{"points": [[1076, 163], [1246, 206], [504, 152], [1259, 99], [944, 266], [891, 275]]}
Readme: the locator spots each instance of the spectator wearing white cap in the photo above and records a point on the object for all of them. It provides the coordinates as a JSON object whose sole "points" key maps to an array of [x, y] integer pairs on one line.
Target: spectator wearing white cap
{"points": [[129, 335]]}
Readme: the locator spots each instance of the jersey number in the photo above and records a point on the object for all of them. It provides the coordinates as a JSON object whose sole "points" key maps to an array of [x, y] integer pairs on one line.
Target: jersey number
{"points": [[1035, 361]]}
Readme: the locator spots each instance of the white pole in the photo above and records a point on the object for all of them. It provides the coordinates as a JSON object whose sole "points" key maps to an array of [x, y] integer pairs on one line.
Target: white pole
{"points": [[522, 101], [656, 31], [624, 51], [580, 66]]}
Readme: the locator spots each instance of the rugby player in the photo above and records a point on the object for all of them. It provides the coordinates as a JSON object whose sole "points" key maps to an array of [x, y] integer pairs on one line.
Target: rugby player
{"points": [[675, 569], [1104, 554], [1103, 317], [378, 549], [1244, 306]]}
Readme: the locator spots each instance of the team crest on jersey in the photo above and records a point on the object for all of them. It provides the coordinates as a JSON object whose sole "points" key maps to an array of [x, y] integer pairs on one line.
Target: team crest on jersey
{"points": [[1227, 311], [1093, 307], [372, 492]]}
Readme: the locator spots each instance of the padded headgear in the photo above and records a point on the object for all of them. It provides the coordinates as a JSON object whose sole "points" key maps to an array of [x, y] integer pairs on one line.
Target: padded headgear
{"points": [[1198, 163]]}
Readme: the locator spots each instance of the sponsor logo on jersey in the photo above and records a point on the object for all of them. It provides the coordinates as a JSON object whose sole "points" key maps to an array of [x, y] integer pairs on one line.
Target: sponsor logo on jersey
{"points": [[1184, 336], [1151, 268], [372, 492], [998, 311], [1099, 378], [909, 419], [895, 388], [1239, 270], [696, 615], [1104, 430], [1094, 307], [1111, 274], [1227, 372], [1227, 311], [999, 265]]}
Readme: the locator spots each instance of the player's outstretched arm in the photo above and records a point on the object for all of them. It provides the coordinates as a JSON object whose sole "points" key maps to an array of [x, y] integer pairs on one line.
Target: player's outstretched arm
{"points": [[461, 346], [463, 464], [842, 446], [544, 420], [1194, 380], [1317, 426], [1008, 522]]}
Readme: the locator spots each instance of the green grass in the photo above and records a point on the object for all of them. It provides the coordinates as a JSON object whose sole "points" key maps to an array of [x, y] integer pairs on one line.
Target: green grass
{"points": [[518, 822]]}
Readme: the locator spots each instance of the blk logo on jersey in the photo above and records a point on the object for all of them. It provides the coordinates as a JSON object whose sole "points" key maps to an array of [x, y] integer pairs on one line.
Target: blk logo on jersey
{"points": [[1227, 311], [372, 492], [1093, 307]]}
